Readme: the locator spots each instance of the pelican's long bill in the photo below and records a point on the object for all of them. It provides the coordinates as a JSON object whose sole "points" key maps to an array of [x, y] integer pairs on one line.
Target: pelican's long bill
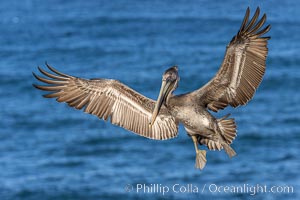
{"points": [[166, 88]]}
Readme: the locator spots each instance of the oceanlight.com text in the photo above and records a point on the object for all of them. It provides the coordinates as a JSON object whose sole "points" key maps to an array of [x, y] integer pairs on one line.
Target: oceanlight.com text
{"points": [[251, 189]]}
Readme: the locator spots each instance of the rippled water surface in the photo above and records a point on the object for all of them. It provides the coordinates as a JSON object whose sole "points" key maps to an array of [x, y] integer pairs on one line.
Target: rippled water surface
{"points": [[51, 151]]}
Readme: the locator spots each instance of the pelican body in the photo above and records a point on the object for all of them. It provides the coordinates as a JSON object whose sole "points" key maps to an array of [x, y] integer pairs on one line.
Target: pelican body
{"points": [[199, 124], [234, 84]]}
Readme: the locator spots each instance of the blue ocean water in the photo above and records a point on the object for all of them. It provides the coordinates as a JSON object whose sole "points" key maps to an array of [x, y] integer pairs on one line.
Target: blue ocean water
{"points": [[51, 151]]}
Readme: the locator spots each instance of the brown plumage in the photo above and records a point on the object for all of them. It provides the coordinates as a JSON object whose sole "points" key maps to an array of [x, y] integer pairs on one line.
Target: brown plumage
{"points": [[107, 98], [242, 69], [234, 84]]}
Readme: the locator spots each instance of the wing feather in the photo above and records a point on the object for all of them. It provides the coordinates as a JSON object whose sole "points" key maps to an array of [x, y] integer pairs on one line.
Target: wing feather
{"points": [[242, 69], [109, 99]]}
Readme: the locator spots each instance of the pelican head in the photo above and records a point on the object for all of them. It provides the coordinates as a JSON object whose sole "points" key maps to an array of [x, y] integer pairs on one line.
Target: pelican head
{"points": [[169, 84]]}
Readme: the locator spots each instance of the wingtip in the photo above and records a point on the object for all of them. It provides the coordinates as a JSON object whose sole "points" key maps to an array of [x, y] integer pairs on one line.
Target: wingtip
{"points": [[268, 28], [257, 9], [34, 75], [56, 71], [248, 9], [39, 68], [253, 26], [47, 65], [256, 14], [245, 20], [50, 67], [264, 31], [34, 85]]}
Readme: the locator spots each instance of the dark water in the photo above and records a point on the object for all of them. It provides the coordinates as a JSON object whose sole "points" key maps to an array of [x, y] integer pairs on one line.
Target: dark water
{"points": [[50, 151]]}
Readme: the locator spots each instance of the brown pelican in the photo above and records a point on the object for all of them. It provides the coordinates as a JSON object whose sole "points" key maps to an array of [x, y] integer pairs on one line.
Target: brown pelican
{"points": [[234, 84]]}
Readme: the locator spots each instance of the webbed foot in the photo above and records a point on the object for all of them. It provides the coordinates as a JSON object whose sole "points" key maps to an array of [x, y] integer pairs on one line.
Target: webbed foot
{"points": [[200, 159], [200, 155]]}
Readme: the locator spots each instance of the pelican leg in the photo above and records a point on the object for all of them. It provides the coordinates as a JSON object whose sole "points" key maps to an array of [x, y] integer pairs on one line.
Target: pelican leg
{"points": [[200, 155]]}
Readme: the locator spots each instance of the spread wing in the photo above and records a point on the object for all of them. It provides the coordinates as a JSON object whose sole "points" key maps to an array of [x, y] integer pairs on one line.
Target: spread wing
{"points": [[242, 69], [106, 99]]}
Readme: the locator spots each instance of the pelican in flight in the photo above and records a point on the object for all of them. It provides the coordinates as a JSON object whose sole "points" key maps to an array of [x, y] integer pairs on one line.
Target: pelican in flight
{"points": [[234, 84]]}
